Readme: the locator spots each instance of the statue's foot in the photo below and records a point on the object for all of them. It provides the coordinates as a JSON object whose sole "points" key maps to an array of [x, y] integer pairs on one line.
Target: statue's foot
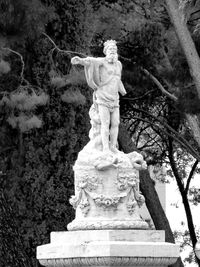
{"points": [[114, 150], [107, 151]]}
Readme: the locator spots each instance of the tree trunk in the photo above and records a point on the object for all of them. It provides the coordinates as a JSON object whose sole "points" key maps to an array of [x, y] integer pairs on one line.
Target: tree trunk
{"points": [[192, 57], [185, 200], [189, 219], [194, 124], [186, 41], [148, 190]]}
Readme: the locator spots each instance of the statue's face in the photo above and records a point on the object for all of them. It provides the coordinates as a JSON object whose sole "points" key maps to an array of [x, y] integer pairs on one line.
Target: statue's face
{"points": [[111, 50], [111, 53]]}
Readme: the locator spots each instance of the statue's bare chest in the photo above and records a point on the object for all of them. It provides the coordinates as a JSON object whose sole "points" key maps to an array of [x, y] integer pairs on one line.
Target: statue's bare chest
{"points": [[107, 70]]}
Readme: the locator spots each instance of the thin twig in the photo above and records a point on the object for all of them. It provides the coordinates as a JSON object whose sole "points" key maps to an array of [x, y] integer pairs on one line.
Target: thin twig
{"points": [[61, 50], [179, 139], [139, 97], [167, 133]]}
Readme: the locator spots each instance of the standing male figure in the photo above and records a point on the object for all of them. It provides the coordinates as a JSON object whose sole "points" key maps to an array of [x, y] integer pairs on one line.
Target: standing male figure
{"points": [[103, 75]]}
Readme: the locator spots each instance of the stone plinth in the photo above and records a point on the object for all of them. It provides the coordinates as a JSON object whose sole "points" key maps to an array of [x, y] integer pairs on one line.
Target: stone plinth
{"points": [[108, 229], [108, 248]]}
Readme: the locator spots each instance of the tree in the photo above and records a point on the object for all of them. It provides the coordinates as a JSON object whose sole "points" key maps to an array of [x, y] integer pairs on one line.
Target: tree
{"points": [[10, 239], [193, 61], [39, 187], [147, 187], [38, 179]]}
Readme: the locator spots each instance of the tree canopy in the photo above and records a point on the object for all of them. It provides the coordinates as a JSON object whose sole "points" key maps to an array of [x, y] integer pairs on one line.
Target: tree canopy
{"points": [[44, 104]]}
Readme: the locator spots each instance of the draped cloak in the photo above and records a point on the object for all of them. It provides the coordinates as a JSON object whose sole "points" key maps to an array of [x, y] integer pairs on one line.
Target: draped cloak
{"points": [[106, 91]]}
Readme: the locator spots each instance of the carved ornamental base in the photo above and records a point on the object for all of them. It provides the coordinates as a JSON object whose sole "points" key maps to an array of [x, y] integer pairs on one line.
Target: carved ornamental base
{"points": [[107, 198], [106, 224], [108, 248]]}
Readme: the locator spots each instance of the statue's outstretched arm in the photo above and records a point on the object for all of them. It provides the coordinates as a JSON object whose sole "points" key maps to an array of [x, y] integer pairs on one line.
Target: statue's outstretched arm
{"points": [[82, 61]]}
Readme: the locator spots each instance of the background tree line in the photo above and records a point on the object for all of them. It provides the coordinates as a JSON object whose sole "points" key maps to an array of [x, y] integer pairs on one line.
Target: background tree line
{"points": [[44, 104]]}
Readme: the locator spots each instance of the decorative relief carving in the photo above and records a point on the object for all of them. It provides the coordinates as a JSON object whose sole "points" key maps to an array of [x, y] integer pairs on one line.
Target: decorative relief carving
{"points": [[107, 202], [80, 200], [131, 203], [84, 204], [85, 185], [88, 182], [129, 182], [139, 198], [75, 200], [127, 179]]}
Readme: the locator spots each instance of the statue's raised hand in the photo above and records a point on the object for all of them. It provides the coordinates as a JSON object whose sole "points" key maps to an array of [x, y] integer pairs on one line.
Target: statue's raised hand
{"points": [[76, 60]]}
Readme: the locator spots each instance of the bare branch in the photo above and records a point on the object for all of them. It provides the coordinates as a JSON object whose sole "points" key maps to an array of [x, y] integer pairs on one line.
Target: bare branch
{"points": [[61, 50], [174, 167], [154, 79], [22, 61], [174, 134], [171, 135], [142, 8], [139, 97], [191, 175], [160, 86]]}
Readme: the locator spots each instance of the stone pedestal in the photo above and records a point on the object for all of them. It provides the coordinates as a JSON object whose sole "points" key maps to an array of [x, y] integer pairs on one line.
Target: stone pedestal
{"points": [[108, 229], [106, 197], [108, 248]]}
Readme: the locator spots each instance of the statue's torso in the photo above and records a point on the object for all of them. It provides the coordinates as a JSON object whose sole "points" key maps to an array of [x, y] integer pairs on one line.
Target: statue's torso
{"points": [[108, 90]]}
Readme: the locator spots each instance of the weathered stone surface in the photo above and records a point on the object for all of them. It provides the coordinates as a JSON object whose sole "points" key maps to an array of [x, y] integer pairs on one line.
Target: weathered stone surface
{"points": [[109, 198], [108, 248], [108, 235]]}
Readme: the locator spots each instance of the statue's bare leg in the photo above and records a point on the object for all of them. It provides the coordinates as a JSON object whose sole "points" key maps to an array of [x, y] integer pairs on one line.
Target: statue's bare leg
{"points": [[104, 114], [114, 129]]}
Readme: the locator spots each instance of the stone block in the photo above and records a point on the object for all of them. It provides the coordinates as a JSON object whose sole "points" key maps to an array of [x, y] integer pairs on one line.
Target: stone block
{"points": [[108, 248]]}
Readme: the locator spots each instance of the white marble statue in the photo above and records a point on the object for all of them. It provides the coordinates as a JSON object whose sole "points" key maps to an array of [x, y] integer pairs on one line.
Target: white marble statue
{"points": [[107, 192], [103, 75]]}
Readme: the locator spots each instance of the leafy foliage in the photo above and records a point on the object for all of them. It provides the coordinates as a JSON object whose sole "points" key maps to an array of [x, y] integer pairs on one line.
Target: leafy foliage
{"points": [[44, 106], [194, 195], [10, 237], [21, 18], [37, 161], [183, 238], [4, 67]]}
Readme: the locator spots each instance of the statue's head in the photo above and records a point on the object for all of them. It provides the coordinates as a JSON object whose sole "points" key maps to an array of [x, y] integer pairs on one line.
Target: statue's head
{"points": [[110, 50]]}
